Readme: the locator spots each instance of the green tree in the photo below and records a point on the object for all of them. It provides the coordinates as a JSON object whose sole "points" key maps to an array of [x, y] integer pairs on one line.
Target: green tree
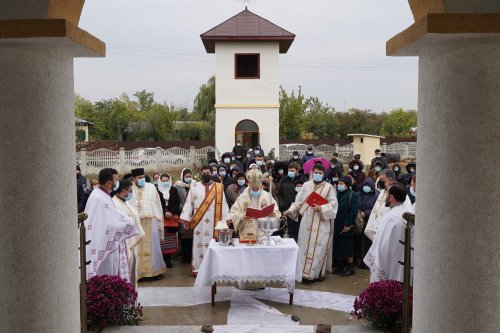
{"points": [[204, 102], [162, 122], [320, 119], [399, 122], [145, 100], [113, 118], [291, 114]]}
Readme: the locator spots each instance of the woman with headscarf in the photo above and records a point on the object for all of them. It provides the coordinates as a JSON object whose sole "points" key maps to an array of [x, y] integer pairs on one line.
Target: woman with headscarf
{"points": [[171, 224], [368, 197], [357, 174], [343, 231], [177, 198]]}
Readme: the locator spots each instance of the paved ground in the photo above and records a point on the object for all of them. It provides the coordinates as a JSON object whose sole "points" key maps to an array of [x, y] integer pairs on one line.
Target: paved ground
{"points": [[217, 315]]}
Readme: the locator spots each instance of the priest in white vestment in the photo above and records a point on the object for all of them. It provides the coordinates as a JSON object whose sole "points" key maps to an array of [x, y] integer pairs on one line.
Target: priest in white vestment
{"points": [[107, 229], [146, 201], [316, 227], [121, 199], [205, 206], [386, 251], [388, 177], [252, 197]]}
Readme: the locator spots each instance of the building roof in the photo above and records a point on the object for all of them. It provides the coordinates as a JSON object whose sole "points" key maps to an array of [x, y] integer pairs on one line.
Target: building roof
{"points": [[247, 26], [82, 122], [367, 135]]}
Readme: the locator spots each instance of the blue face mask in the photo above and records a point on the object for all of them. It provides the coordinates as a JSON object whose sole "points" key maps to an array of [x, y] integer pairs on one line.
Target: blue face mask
{"points": [[255, 193], [317, 177], [222, 173], [341, 188], [335, 179], [227, 160], [166, 184], [116, 186], [291, 174], [129, 196], [141, 182], [241, 182], [367, 189], [412, 191], [187, 180], [297, 189]]}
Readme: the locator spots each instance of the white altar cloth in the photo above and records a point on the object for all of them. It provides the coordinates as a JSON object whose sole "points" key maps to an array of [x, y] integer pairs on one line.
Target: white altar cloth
{"points": [[277, 264]]}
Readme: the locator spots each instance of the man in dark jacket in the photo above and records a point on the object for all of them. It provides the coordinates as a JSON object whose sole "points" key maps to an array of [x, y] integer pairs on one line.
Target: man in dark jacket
{"points": [[379, 158], [238, 151], [309, 155], [368, 197]]}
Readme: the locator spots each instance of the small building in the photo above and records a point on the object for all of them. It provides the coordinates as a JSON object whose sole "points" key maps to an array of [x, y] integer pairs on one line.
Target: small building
{"points": [[365, 144], [247, 49], [82, 130]]}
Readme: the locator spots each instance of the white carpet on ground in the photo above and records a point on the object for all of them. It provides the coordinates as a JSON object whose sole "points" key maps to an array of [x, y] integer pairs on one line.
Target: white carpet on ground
{"points": [[308, 298], [246, 310], [188, 296], [262, 329], [181, 296]]}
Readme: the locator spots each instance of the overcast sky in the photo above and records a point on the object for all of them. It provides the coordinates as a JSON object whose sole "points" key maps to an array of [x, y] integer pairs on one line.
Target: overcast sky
{"points": [[338, 54]]}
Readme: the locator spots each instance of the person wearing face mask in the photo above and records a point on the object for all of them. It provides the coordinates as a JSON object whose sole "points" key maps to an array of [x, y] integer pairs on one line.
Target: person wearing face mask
{"points": [[258, 151], [169, 245], [316, 226], [121, 200], [411, 169], [379, 158], [333, 178], [224, 176], [386, 251], [205, 206], [146, 201], [368, 197], [156, 179], [107, 230], [343, 233], [227, 158], [411, 190], [335, 166], [295, 158], [236, 189], [254, 197], [308, 155], [238, 151], [286, 187], [387, 178], [176, 200], [357, 173]]}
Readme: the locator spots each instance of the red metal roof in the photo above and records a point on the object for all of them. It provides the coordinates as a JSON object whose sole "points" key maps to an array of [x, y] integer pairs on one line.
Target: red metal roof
{"points": [[247, 26]]}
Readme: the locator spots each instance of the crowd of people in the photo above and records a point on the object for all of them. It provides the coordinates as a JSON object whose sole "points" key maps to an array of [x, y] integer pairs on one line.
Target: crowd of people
{"points": [[339, 218]]}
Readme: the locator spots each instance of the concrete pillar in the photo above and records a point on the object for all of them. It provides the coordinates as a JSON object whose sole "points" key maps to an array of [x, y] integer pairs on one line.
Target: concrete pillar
{"points": [[456, 280], [38, 242], [83, 161], [458, 233], [39, 239]]}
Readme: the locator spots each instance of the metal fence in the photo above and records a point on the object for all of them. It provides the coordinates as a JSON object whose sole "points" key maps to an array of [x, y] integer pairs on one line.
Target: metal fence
{"points": [[158, 159]]}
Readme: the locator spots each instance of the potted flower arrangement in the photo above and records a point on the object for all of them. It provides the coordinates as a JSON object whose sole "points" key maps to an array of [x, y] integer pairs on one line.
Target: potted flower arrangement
{"points": [[111, 301], [381, 305]]}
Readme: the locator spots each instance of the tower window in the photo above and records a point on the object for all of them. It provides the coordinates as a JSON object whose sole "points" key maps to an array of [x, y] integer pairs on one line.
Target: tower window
{"points": [[247, 66]]}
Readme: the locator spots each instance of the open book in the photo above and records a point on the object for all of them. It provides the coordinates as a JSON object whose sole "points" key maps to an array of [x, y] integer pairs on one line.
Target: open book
{"points": [[258, 213]]}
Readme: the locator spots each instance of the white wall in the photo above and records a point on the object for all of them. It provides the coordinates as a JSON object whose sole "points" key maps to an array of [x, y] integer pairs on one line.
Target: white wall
{"points": [[247, 91], [227, 119]]}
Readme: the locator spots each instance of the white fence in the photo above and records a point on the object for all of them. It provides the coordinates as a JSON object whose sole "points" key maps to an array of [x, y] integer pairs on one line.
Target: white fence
{"points": [[151, 159], [404, 149], [158, 159]]}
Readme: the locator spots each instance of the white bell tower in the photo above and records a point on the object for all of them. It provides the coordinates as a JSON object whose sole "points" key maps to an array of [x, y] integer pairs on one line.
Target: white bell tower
{"points": [[247, 49]]}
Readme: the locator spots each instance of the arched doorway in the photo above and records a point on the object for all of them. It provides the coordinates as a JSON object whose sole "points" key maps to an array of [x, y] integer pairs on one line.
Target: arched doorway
{"points": [[247, 131]]}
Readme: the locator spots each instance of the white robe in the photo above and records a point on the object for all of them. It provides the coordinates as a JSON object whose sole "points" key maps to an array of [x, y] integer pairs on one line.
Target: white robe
{"points": [[378, 211], [147, 202], [386, 251], [107, 228], [316, 230], [132, 242], [204, 231], [239, 209]]}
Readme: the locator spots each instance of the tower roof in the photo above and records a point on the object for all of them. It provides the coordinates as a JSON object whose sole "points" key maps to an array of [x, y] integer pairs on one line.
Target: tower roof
{"points": [[247, 26]]}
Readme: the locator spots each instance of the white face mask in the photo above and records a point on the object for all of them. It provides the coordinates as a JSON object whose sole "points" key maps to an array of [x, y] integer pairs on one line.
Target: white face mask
{"points": [[356, 167]]}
